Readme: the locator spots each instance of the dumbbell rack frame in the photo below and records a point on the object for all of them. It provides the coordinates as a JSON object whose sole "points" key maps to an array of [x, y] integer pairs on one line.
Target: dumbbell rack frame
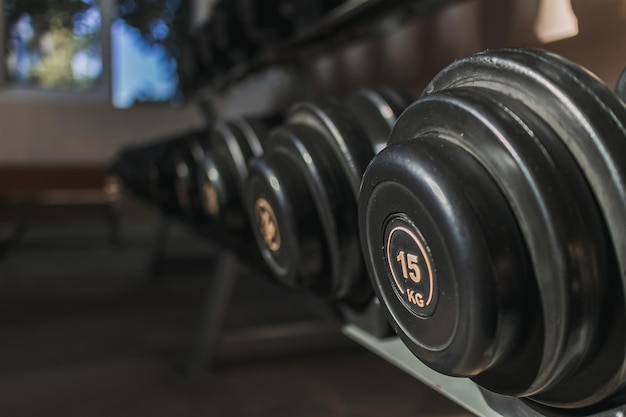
{"points": [[353, 20], [212, 338], [460, 390]]}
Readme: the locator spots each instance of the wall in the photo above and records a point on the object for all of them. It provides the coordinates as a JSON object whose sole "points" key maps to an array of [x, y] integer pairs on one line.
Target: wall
{"points": [[411, 56], [85, 133], [90, 132]]}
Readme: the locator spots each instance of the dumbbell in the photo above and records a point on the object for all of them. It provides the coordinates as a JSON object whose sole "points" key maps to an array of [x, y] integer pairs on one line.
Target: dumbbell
{"points": [[223, 169], [185, 159], [137, 166], [302, 195], [163, 172], [492, 227], [376, 110], [620, 87], [167, 172]]}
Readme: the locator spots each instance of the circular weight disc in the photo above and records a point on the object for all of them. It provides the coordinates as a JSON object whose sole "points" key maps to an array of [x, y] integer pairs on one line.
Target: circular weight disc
{"points": [[190, 153], [620, 86], [342, 133], [539, 200], [469, 327], [227, 142], [377, 111], [195, 142], [588, 285], [282, 213], [254, 132], [215, 187], [182, 176], [332, 200], [591, 240], [586, 115]]}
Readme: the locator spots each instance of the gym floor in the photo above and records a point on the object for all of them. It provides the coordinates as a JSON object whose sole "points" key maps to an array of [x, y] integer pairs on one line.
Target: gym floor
{"points": [[86, 329]]}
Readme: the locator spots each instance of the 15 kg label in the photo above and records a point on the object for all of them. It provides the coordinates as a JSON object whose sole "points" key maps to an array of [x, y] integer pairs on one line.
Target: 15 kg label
{"points": [[411, 267]]}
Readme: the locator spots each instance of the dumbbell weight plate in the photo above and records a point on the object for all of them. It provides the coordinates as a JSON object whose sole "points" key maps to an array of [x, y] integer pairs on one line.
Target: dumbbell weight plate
{"points": [[377, 111], [331, 198], [454, 116], [162, 176], [212, 187], [350, 150], [620, 86], [342, 132], [590, 120], [187, 159], [286, 199], [331, 164], [221, 183]]}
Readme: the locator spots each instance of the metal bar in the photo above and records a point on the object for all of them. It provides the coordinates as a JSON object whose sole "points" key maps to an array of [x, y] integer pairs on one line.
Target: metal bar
{"points": [[160, 243], [460, 390], [219, 295]]}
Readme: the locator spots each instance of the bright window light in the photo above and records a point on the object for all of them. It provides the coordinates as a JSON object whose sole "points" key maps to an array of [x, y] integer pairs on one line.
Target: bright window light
{"points": [[556, 21]]}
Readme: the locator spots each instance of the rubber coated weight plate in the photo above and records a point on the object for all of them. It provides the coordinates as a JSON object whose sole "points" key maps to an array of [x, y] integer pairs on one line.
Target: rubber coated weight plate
{"points": [[377, 111], [217, 187], [254, 133], [222, 185], [187, 161], [620, 87], [182, 173], [477, 125], [584, 277], [229, 143], [586, 115], [285, 221], [348, 148], [334, 203], [463, 326], [326, 145], [342, 132]]}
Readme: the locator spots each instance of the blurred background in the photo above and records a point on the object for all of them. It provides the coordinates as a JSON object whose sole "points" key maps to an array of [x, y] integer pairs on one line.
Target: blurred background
{"points": [[102, 307]]}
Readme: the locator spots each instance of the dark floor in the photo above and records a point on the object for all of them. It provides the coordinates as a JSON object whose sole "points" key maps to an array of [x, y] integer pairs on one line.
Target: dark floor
{"points": [[85, 330]]}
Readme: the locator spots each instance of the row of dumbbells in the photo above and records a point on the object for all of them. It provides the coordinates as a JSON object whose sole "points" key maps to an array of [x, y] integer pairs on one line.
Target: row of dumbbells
{"points": [[237, 31], [491, 217]]}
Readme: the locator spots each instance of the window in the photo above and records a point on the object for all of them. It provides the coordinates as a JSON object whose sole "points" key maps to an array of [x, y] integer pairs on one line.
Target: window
{"points": [[145, 42], [123, 49], [53, 45]]}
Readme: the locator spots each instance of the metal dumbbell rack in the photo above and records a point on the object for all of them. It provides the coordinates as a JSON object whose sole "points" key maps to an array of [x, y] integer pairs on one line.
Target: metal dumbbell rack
{"points": [[461, 390], [353, 20]]}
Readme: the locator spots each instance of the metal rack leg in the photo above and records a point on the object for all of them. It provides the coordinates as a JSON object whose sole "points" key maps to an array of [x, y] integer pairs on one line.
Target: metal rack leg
{"points": [[216, 305], [158, 249]]}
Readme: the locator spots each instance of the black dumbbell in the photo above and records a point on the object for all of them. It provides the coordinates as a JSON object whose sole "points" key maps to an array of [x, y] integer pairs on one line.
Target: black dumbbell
{"points": [[302, 196], [139, 167], [169, 172], [185, 160], [620, 87], [492, 226], [377, 110], [224, 168]]}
